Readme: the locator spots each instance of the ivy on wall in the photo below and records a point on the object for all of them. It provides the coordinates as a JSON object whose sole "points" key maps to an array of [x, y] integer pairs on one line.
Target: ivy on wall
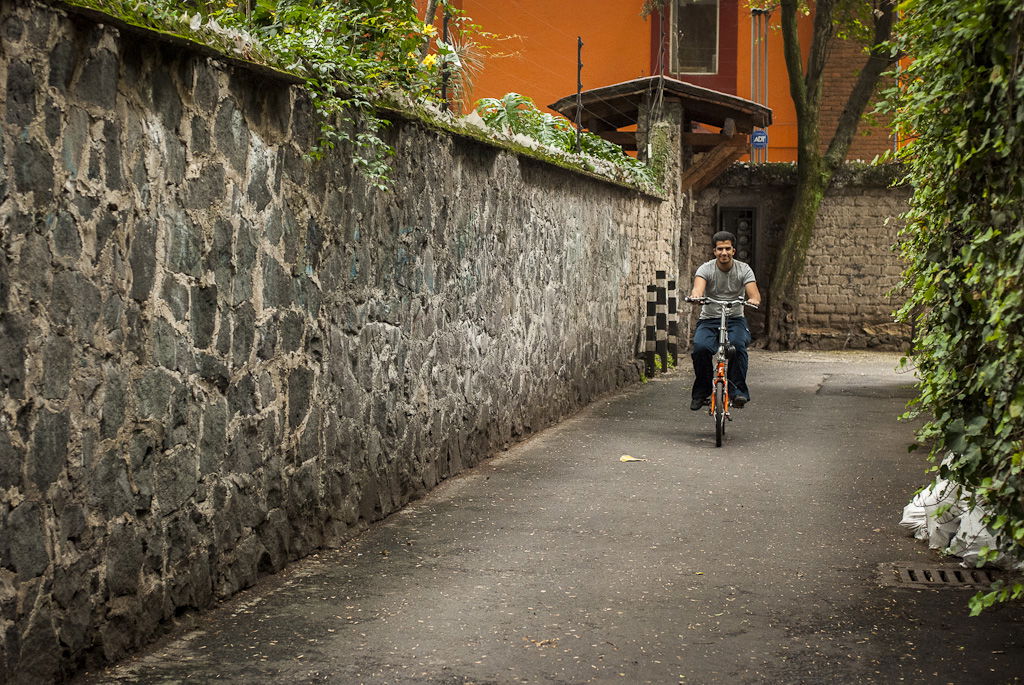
{"points": [[517, 114], [960, 104], [349, 55], [355, 57]]}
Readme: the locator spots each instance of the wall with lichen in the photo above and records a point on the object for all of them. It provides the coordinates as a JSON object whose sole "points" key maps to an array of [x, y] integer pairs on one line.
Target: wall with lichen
{"points": [[217, 356]]}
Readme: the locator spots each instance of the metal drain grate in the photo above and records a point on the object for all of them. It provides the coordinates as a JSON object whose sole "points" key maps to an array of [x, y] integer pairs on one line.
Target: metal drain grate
{"points": [[916, 576]]}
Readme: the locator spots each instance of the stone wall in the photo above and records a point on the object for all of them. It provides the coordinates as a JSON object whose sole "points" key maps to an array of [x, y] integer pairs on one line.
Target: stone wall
{"points": [[217, 356], [847, 294]]}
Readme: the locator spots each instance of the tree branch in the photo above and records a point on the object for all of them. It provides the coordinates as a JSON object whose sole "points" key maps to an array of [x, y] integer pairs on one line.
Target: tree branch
{"points": [[794, 63], [879, 59], [428, 18], [824, 30]]}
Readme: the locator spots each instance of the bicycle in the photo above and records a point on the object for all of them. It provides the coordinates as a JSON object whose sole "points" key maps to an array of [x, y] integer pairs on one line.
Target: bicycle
{"points": [[719, 407]]}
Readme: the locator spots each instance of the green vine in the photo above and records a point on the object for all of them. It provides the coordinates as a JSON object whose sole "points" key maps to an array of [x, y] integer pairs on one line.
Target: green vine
{"points": [[350, 56], [516, 114], [960, 104]]}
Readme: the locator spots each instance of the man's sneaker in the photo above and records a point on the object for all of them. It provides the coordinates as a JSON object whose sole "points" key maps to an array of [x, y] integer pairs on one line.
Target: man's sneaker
{"points": [[696, 403], [739, 401]]}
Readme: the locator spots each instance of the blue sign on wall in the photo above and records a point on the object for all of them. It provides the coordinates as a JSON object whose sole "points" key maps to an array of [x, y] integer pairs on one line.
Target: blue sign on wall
{"points": [[759, 140]]}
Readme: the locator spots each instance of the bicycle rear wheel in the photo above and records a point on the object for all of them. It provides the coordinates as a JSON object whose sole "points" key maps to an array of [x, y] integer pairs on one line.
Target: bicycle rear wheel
{"points": [[719, 414]]}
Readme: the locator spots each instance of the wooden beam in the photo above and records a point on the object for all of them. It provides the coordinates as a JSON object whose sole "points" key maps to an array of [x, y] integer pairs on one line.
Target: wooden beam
{"points": [[713, 163], [704, 105]]}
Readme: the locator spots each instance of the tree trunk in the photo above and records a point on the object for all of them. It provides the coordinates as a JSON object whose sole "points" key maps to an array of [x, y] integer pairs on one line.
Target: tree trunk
{"points": [[428, 18], [815, 169], [783, 307]]}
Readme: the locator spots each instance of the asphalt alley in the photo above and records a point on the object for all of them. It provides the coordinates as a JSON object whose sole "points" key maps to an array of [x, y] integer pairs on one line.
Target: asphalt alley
{"points": [[556, 562]]}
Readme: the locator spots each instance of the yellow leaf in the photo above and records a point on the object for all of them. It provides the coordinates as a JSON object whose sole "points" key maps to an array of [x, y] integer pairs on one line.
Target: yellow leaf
{"points": [[626, 457]]}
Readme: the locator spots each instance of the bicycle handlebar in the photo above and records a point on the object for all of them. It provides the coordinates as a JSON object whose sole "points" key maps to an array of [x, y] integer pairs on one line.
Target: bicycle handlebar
{"points": [[724, 303]]}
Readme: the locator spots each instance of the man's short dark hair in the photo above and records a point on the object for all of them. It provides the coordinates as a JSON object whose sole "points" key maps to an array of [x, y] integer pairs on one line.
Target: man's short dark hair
{"points": [[722, 236]]}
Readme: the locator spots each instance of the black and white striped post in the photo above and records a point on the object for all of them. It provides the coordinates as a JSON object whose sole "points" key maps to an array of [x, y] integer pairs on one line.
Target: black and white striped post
{"points": [[673, 322], [651, 330], [661, 279]]}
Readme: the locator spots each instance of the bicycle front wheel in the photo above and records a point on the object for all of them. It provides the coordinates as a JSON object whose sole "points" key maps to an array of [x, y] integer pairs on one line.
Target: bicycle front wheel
{"points": [[719, 414]]}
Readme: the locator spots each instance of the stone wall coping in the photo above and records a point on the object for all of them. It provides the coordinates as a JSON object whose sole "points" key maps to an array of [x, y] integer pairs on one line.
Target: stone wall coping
{"points": [[179, 41], [889, 174], [389, 107], [469, 132]]}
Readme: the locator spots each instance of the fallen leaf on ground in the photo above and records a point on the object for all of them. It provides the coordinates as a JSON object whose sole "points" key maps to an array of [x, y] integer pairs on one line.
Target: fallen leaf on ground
{"points": [[626, 457]]}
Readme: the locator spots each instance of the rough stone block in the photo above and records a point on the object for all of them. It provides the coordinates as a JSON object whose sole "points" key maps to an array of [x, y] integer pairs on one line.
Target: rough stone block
{"points": [[113, 161], [165, 98], [241, 396], [39, 660], [206, 191], [58, 358], [165, 344], [243, 335], [278, 286], [48, 455], [185, 246], [300, 383], [142, 258], [97, 80], [176, 296], [213, 438], [66, 238], [176, 475], [14, 334], [25, 543], [123, 560], [152, 393], [292, 327], [231, 136], [11, 461], [204, 315], [258, 191], [34, 171], [20, 102], [75, 304]]}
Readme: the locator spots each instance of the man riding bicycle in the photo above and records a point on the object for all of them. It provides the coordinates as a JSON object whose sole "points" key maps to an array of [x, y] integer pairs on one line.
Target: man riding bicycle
{"points": [[722, 278]]}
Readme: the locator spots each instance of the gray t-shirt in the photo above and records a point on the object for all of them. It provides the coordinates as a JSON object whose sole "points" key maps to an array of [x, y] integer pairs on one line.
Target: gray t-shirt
{"points": [[724, 285]]}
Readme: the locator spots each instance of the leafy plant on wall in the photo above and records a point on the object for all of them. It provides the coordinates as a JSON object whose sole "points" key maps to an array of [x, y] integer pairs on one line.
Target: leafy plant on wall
{"points": [[960, 104], [350, 55], [517, 114]]}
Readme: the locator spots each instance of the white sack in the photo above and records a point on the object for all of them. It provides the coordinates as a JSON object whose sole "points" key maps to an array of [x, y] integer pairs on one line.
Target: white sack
{"points": [[944, 503], [914, 521]]}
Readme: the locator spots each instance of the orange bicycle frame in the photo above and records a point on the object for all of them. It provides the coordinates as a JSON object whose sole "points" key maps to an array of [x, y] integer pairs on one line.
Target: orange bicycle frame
{"points": [[720, 378]]}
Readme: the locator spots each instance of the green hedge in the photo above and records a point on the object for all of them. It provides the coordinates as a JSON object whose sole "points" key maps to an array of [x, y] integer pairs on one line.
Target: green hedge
{"points": [[961, 104]]}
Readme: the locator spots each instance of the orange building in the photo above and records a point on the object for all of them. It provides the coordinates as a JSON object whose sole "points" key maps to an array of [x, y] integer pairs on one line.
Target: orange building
{"points": [[717, 44]]}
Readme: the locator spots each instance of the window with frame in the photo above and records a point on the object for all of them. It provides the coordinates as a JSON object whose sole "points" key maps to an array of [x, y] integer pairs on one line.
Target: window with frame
{"points": [[695, 36]]}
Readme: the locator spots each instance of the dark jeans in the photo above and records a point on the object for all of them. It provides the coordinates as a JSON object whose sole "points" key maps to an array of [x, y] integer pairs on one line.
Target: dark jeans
{"points": [[705, 344]]}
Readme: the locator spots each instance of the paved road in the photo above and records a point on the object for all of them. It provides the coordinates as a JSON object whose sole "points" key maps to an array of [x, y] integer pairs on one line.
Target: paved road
{"points": [[557, 563]]}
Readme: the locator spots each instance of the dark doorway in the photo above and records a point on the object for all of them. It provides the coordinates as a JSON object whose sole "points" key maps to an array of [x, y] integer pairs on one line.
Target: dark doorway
{"points": [[742, 223]]}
